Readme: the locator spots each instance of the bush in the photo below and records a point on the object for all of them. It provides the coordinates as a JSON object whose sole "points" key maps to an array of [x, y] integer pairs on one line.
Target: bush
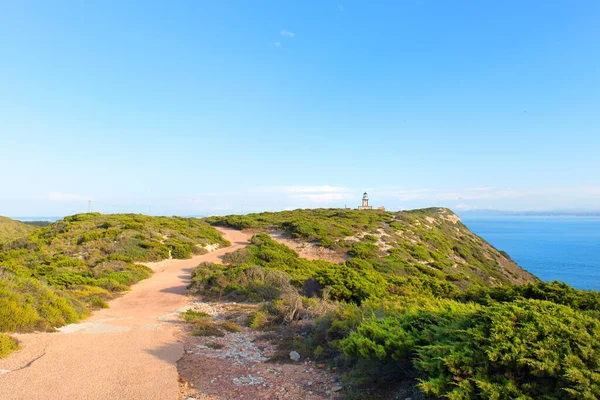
{"points": [[206, 327], [258, 320], [525, 349], [7, 345], [27, 305], [237, 257], [355, 281], [230, 326], [193, 315]]}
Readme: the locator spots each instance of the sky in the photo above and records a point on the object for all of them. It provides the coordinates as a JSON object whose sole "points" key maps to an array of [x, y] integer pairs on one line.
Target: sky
{"points": [[216, 107]]}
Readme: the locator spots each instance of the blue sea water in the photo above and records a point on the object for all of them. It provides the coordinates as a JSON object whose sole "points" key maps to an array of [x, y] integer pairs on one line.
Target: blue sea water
{"points": [[552, 248]]}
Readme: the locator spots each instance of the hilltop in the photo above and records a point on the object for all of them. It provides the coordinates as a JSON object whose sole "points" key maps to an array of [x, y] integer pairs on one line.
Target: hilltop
{"points": [[430, 242], [11, 229]]}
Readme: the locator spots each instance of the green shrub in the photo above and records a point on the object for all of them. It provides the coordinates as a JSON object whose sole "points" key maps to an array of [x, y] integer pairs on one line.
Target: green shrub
{"points": [[525, 349], [258, 320], [237, 257], [355, 281], [193, 315], [7, 345], [206, 327], [230, 326], [27, 304], [96, 302]]}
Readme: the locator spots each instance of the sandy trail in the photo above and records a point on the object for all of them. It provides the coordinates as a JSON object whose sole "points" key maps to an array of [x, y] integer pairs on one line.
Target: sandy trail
{"points": [[127, 351]]}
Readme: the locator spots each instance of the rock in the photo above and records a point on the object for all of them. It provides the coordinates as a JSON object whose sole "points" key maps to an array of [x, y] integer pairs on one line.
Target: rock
{"points": [[336, 388], [309, 383], [294, 356]]}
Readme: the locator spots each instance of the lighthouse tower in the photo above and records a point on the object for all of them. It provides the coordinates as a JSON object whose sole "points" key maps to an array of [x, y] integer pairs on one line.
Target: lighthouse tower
{"points": [[365, 203]]}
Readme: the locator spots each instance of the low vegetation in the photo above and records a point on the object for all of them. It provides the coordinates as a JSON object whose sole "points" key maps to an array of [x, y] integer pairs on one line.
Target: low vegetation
{"points": [[430, 242], [7, 345], [421, 306], [54, 275], [11, 229], [202, 324]]}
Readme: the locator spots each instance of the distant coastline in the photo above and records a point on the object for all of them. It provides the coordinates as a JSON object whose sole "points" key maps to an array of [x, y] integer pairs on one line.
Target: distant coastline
{"points": [[552, 213], [36, 219]]}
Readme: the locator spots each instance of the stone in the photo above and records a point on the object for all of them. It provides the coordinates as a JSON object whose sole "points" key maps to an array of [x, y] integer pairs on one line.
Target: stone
{"points": [[336, 388], [294, 356]]}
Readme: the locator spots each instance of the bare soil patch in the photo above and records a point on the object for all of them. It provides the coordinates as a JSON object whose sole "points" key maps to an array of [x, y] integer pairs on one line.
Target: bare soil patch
{"points": [[310, 251], [243, 365]]}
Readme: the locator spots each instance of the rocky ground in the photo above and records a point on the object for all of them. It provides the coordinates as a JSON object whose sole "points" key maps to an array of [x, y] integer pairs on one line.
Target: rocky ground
{"points": [[246, 364]]}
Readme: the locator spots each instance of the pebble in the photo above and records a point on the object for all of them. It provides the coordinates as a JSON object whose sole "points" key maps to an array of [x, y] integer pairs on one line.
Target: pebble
{"points": [[248, 380], [336, 388], [294, 356], [242, 351]]}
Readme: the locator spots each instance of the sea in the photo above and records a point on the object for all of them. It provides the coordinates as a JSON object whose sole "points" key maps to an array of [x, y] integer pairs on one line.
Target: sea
{"points": [[558, 248]]}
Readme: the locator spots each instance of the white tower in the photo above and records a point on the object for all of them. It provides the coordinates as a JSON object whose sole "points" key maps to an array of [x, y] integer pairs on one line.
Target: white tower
{"points": [[365, 202]]}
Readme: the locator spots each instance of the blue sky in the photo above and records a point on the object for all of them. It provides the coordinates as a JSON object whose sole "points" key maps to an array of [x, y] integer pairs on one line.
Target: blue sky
{"points": [[208, 107]]}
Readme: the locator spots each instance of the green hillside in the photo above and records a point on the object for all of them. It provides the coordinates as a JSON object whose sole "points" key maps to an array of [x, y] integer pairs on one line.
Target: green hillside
{"points": [[56, 274], [11, 229], [430, 242], [421, 307]]}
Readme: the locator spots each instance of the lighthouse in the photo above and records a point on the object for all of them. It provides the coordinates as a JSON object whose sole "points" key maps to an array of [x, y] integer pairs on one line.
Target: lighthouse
{"points": [[365, 202]]}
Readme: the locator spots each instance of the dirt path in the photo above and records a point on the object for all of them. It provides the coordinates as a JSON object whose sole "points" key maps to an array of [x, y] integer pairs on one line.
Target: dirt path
{"points": [[127, 351]]}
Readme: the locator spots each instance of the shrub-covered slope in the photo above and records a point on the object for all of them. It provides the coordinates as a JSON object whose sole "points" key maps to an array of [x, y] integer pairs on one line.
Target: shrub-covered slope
{"points": [[11, 229], [422, 308], [57, 273], [430, 242]]}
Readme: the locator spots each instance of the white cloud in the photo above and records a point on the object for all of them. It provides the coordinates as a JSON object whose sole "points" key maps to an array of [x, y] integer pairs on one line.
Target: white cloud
{"points": [[316, 194], [57, 196], [277, 44], [341, 7], [287, 33]]}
